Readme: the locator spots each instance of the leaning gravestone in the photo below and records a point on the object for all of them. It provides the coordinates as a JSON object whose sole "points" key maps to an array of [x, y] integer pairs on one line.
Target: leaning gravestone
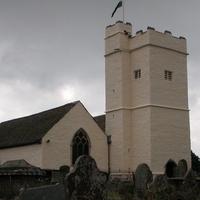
{"points": [[86, 181], [53, 192], [190, 179], [143, 176]]}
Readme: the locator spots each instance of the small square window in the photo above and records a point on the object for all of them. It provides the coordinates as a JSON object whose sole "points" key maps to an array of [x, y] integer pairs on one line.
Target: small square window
{"points": [[168, 75], [137, 73]]}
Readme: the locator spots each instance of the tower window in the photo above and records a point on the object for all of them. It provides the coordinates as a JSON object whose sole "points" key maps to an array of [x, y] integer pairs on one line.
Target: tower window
{"points": [[168, 75], [137, 73], [80, 145]]}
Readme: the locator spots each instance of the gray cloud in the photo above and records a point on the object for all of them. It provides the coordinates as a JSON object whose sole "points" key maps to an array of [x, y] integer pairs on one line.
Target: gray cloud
{"points": [[51, 52]]}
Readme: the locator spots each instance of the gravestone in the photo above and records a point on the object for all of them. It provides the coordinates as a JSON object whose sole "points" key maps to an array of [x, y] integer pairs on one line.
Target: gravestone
{"points": [[190, 179], [86, 181], [182, 168], [53, 192], [171, 169], [64, 169], [160, 183], [58, 176], [143, 176]]}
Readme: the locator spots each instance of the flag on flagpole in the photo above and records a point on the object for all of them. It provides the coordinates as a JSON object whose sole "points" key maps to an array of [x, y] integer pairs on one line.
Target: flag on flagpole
{"points": [[118, 6]]}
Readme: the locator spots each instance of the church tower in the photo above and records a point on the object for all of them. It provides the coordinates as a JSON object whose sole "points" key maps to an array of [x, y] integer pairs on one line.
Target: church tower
{"points": [[147, 112]]}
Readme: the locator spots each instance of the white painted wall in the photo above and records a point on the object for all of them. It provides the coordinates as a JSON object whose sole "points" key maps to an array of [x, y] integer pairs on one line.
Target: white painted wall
{"points": [[58, 151], [31, 153], [156, 110]]}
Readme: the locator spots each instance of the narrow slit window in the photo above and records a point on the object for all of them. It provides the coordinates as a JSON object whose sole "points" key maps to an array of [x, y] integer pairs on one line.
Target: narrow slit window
{"points": [[137, 73], [168, 75]]}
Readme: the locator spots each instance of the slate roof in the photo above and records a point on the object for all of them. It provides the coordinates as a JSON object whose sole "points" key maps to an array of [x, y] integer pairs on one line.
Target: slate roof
{"points": [[19, 167], [31, 129], [14, 164], [101, 121]]}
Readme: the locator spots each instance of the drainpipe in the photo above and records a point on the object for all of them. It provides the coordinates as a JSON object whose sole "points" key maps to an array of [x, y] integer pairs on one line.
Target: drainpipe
{"points": [[109, 141]]}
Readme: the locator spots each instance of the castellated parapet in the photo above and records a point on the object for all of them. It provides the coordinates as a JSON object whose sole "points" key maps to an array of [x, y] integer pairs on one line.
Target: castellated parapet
{"points": [[151, 37], [147, 111], [155, 38]]}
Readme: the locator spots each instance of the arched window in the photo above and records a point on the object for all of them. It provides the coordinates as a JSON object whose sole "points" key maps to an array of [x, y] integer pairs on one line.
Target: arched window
{"points": [[80, 145]]}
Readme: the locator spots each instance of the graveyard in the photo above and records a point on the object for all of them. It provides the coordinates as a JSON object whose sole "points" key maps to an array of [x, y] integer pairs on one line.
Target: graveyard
{"points": [[86, 181]]}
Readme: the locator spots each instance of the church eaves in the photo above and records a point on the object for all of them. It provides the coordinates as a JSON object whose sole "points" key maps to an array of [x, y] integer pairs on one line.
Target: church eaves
{"points": [[31, 129]]}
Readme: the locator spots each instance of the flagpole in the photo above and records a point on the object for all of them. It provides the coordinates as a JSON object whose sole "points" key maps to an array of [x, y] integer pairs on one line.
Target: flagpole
{"points": [[123, 9]]}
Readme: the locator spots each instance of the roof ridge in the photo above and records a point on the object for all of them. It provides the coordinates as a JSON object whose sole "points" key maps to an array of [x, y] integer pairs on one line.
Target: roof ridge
{"points": [[38, 113], [31, 129]]}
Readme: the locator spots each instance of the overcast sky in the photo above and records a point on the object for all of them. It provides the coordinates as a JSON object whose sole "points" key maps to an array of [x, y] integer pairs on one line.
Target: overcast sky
{"points": [[52, 51]]}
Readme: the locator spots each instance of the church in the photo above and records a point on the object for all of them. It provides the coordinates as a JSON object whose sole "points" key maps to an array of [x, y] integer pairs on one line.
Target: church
{"points": [[146, 117]]}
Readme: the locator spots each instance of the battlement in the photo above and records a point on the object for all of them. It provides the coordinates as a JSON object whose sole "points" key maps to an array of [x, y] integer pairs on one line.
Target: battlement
{"points": [[118, 27], [155, 38], [122, 39]]}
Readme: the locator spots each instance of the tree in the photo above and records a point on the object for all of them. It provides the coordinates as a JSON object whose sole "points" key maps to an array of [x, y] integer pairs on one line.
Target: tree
{"points": [[195, 162]]}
